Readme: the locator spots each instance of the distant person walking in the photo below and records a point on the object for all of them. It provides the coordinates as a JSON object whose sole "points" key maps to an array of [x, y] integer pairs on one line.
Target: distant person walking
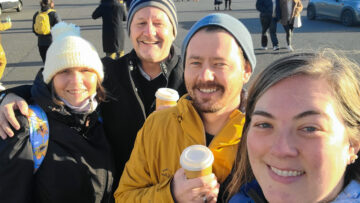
{"points": [[217, 4], [113, 13], [289, 10], [3, 26], [269, 16], [227, 2], [43, 21]]}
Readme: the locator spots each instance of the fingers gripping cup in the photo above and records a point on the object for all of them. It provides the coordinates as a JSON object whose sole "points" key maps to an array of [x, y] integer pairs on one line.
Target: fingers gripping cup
{"points": [[197, 161], [166, 97]]}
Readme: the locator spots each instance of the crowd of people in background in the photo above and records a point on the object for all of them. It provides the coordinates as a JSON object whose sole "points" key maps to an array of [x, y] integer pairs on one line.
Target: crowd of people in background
{"points": [[293, 137]]}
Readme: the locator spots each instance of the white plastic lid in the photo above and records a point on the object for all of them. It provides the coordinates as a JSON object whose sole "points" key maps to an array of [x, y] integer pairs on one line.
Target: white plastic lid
{"points": [[167, 94], [196, 158]]}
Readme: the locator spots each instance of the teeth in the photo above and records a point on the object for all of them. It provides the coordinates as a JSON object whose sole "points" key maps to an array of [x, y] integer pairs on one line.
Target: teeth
{"points": [[208, 90], [147, 42], [75, 91], [286, 173]]}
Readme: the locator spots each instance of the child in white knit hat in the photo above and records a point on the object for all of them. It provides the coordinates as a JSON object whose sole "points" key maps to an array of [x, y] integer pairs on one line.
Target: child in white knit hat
{"points": [[76, 163]]}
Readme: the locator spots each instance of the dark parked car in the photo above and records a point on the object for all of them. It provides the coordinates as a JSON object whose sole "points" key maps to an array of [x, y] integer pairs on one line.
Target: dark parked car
{"points": [[11, 4], [346, 11]]}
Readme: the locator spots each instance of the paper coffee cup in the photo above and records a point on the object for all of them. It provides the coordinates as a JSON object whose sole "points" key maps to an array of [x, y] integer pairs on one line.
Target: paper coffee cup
{"points": [[197, 161], [166, 97]]}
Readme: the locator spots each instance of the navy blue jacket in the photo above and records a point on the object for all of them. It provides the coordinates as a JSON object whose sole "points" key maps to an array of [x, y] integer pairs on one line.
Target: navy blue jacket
{"points": [[266, 7], [249, 193]]}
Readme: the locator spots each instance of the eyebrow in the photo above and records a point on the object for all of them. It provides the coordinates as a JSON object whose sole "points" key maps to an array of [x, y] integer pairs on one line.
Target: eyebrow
{"points": [[301, 115], [198, 57], [262, 113]]}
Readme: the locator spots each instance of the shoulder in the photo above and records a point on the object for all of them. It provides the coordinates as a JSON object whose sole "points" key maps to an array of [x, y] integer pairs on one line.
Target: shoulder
{"points": [[351, 193], [240, 198], [112, 66], [159, 123]]}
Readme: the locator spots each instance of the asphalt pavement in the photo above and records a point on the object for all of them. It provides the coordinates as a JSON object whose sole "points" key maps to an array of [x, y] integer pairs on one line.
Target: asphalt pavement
{"points": [[24, 61]]}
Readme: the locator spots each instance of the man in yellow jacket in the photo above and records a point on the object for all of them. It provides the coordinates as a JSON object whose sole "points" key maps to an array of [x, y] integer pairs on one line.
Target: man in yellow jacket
{"points": [[218, 59], [3, 26]]}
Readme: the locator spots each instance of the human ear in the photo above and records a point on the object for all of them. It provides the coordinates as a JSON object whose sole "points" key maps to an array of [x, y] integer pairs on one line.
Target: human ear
{"points": [[353, 150], [247, 72]]}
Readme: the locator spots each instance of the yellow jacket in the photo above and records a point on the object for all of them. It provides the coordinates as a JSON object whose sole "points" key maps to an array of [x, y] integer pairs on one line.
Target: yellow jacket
{"points": [[158, 146], [3, 26]]}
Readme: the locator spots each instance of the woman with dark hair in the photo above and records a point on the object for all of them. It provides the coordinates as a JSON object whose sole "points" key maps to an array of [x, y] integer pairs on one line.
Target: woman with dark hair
{"points": [[301, 136], [43, 21]]}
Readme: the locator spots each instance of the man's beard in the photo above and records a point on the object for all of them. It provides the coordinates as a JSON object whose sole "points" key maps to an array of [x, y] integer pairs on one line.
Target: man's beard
{"points": [[199, 103]]}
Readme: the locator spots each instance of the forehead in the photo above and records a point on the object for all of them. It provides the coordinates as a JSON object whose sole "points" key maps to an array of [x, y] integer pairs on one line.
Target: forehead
{"points": [[215, 43], [151, 12], [297, 94]]}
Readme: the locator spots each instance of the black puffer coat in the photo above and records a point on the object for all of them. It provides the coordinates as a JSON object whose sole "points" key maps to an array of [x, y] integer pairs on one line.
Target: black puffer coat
{"points": [[113, 34], [126, 109], [78, 166]]}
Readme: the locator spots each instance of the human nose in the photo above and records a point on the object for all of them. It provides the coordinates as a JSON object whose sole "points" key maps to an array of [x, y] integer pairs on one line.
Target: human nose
{"points": [[207, 74], [76, 76], [150, 30], [284, 145]]}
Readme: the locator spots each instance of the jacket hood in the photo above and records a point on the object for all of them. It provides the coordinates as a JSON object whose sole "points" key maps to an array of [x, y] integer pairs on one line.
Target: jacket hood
{"points": [[42, 96]]}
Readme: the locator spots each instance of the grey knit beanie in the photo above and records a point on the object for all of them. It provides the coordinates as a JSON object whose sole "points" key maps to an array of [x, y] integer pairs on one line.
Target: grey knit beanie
{"points": [[167, 6], [231, 25]]}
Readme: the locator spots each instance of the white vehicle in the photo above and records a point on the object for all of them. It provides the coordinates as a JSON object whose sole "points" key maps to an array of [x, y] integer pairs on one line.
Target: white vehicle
{"points": [[11, 4]]}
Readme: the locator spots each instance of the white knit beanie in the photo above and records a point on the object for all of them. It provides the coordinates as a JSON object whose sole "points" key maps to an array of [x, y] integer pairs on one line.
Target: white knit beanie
{"points": [[69, 50]]}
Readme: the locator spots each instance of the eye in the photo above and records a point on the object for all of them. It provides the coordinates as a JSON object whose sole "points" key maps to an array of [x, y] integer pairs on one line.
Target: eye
{"points": [[141, 23], [158, 24], [220, 65], [195, 63], [85, 70], [263, 125], [64, 71], [310, 129]]}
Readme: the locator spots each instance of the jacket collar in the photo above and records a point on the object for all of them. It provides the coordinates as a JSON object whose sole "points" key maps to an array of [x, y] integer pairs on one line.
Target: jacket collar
{"points": [[41, 95], [230, 133], [351, 193], [166, 66], [224, 145]]}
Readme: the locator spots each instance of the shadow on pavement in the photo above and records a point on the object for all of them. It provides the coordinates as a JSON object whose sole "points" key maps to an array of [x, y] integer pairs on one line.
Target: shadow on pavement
{"points": [[25, 64]]}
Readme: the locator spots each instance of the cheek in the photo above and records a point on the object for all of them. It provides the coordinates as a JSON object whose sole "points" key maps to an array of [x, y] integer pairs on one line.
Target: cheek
{"points": [[256, 146], [59, 84], [91, 82]]}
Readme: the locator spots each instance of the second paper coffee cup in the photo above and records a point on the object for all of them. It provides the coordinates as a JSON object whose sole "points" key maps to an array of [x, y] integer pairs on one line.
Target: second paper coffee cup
{"points": [[166, 97], [197, 161]]}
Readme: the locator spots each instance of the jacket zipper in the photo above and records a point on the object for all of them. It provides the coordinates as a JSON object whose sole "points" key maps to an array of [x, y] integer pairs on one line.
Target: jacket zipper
{"points": [[131, 68]]}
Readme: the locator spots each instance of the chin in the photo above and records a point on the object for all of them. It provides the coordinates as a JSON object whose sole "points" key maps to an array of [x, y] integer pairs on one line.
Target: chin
{"points": [[284, 198]]}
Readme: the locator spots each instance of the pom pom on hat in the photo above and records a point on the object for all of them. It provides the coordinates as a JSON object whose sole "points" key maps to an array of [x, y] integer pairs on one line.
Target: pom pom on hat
{"points": [[63, 29], [69, 50]]}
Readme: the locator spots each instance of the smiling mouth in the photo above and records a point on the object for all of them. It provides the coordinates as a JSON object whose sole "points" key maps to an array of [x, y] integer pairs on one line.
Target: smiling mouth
{"points": [[286, 173], [76, 91], [150, 42], [207, 90]]}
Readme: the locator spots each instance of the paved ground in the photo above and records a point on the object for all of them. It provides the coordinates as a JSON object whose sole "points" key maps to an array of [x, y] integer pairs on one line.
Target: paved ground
{"points": [[24, 61]]}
